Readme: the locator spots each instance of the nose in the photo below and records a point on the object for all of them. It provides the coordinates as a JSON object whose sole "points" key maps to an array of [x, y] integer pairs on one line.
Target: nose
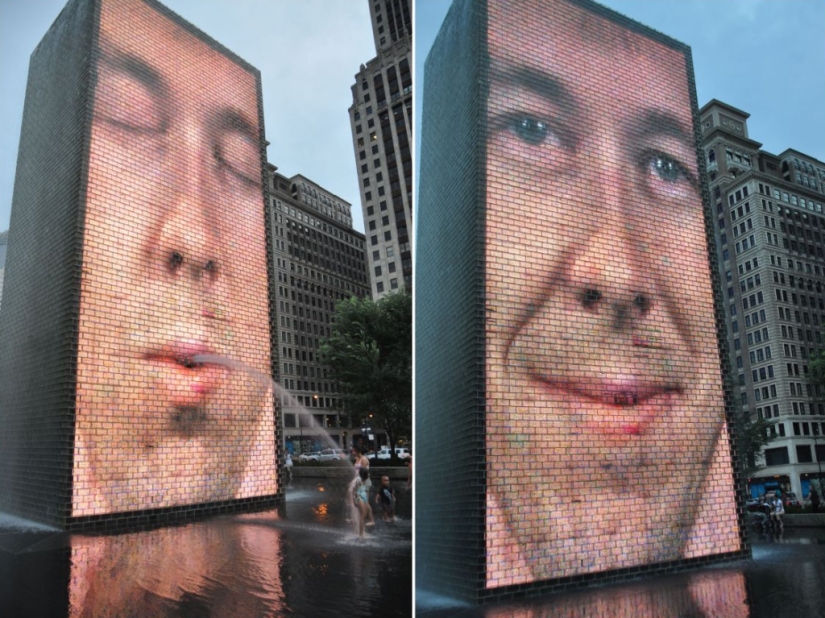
{"points": [[187, 244], [611, 269]]}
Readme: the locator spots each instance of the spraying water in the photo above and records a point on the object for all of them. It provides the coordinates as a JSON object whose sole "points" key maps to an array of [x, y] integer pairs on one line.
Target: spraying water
{"points": [[287, 399]]}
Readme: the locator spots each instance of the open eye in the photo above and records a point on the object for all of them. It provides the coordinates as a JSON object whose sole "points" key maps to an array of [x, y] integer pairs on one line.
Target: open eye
{"points": [[668, 169], [531, 130]]}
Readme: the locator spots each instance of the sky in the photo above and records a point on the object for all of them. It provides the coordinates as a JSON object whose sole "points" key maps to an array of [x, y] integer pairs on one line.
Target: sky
{"points": [[308, 52], [765, 57]]}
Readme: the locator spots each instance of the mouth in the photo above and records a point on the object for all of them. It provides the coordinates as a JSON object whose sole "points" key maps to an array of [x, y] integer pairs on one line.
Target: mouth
{"points": [[185, 379], [179, 353], [622, 405]]}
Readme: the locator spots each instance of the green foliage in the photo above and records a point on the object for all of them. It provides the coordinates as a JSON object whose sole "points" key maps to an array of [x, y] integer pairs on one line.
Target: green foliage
{"points": [[369, 352], [816, 370], [752, 436]]}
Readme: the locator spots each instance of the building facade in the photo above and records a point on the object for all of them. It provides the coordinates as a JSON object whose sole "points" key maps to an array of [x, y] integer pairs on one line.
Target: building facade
{"points": [[770, 235], [381, 121], [318, 260]]}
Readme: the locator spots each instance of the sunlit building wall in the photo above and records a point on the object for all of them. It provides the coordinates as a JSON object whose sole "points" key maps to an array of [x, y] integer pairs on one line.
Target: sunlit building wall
{"points": [[381, 120], [770, 234], [319, 260]]}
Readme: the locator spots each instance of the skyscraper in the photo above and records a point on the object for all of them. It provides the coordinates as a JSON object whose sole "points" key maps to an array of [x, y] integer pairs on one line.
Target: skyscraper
{"points": [[318, 260], [770, 233], [381, 120]]}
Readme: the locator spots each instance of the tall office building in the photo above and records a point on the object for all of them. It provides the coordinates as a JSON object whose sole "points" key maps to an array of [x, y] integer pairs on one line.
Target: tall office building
{"points": [[381, 119], [318, 260], [770, 233]]}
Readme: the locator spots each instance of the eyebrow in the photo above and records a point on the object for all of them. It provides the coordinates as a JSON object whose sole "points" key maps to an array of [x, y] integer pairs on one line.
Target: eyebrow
{"points": [[235, 121], [138, 69], [542, 83], [653, 122]]}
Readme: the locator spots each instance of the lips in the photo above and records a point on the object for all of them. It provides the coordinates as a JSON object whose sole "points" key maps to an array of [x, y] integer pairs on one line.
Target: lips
{"points": [[626, 404], [186, 382]]}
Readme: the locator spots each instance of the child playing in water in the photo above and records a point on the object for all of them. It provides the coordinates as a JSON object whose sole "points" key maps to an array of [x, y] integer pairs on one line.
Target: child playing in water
{"points": [[360, 493], [386, 498]]}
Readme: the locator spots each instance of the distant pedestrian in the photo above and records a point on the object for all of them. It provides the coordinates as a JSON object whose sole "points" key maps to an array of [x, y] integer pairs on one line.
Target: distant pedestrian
{"points": [[814, 500], [288, 467], [386, 498], [778, 511]]}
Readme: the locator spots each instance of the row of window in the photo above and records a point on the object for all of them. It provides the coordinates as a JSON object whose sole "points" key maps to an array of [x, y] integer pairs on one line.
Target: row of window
{"points": [[316, 420], [790, 198], [745, 244], [812, 335], [379, 286], [779, 456], [314, 223], [763, 373], [800, 299], [757, 336], [738, 195], [757, 317]]}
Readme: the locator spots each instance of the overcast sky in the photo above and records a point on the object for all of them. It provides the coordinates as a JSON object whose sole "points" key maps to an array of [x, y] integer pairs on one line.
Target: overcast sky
{"points": [[765, 57], [308, 52]]}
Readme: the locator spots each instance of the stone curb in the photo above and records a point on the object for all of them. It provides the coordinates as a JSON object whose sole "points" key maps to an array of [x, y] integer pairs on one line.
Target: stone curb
{"points": [[804, 520], [339, 472]]}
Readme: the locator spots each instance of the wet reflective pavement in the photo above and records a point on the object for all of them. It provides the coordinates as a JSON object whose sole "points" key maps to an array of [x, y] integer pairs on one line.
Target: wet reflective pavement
{"points": [[302, 561], [785, 578]]}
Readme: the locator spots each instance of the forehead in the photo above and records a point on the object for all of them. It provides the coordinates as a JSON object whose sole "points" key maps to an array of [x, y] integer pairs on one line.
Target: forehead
{"points": [[186, 61], [587, 52]]}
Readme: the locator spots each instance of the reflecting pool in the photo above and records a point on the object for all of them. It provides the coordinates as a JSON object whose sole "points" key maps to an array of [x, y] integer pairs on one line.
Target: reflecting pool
{"points": [[302, 560]]}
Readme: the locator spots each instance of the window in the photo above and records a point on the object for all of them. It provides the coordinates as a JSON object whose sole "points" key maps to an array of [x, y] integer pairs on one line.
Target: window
{"points": [[776, 456], [379, 287]]}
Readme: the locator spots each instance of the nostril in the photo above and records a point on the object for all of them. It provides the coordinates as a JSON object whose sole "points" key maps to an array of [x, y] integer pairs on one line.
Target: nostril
{"points": [[175, 261], [590, 298], [642, 303], [211, 268]]}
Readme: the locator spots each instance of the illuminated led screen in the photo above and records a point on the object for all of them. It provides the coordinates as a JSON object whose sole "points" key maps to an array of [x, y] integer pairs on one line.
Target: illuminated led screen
{"points": [[174, 405], [606, 439]]}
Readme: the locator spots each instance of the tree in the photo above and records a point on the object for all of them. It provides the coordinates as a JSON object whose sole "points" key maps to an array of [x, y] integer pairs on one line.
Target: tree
{"points": [[752, 436], [816, 370], [369, 351], [816, 376]]}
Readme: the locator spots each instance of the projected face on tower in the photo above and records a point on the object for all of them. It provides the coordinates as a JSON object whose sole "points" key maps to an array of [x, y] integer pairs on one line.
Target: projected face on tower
{"points": [[174, 292], [605, 401]]}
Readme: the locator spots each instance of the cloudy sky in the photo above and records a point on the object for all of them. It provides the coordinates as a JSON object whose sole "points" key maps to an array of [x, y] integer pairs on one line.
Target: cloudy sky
{"points": [[308, 52], [766, 57]]}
